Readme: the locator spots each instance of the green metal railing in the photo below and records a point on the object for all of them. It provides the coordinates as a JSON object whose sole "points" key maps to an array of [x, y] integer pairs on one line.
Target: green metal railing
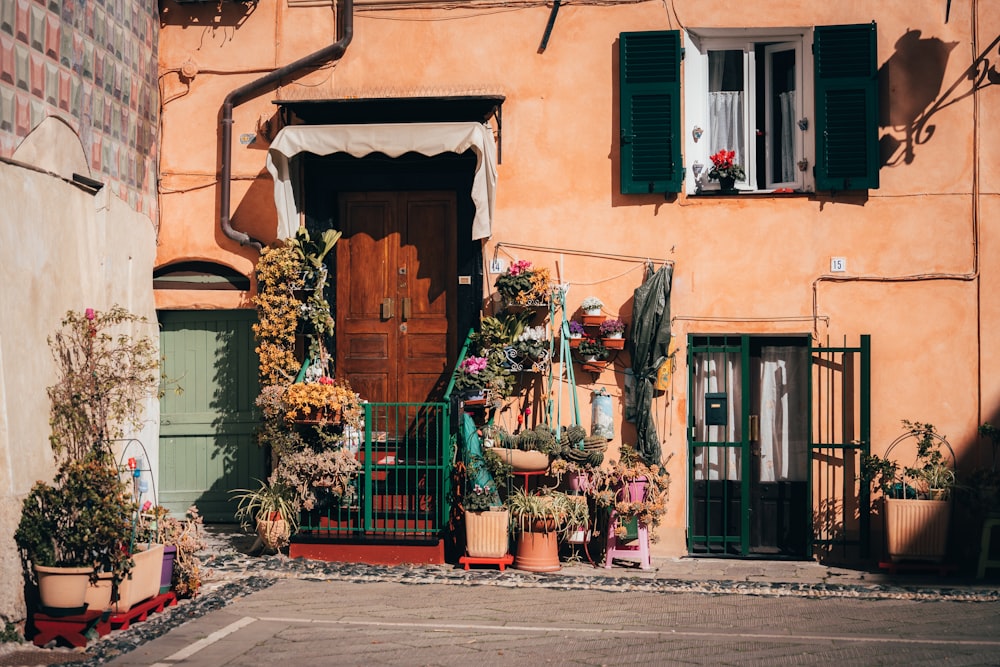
{"points": [[401, 493]]}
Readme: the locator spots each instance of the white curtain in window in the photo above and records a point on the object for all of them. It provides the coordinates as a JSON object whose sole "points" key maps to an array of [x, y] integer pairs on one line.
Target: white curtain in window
{"points": [[783, 437], [718, 372], [786, 102], [725, 115]]}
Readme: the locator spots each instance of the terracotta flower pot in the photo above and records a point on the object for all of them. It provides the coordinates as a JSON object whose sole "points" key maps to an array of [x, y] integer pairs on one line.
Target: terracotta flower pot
{"points": [[917, 529], [523, 461], [538, 550]]}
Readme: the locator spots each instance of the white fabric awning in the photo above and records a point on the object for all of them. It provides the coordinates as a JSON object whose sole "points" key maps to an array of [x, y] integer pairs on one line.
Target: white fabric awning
{"points": [[392, 139]]}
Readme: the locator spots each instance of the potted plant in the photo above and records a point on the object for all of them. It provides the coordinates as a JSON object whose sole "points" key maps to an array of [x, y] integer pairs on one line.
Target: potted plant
{"points": [[591, 307], [473, 378], [524, 285], [182, 538], [916, 524], [576, 332], [529, 450], [486, 523], [540, 520], [636, 493], [325, 401], [725, 170], [594, 353], [270, 510], [612, 333], [530, 350], [80, 522]]}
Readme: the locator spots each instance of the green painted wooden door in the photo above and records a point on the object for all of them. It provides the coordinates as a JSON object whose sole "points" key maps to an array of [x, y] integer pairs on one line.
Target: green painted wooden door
{"points": [[207, 444]]}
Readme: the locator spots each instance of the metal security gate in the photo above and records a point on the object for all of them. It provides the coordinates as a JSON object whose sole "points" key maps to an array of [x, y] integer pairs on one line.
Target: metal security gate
{"points": [[775, 431], [400, 495], [207, 443], [841, 433]]}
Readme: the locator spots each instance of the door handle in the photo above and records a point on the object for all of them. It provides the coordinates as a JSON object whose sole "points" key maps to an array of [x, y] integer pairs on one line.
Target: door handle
{"points": [[386, 310], [406, 309], [754, 428]]}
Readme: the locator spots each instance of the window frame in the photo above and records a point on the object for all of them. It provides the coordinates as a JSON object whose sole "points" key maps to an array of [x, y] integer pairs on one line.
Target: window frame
{"points": [[698, 43]]}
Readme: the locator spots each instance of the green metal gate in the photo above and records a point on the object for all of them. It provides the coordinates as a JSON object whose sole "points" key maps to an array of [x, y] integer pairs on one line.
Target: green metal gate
{"points": [[841, 433], [776, 427], [400, 495], [207, 443]]}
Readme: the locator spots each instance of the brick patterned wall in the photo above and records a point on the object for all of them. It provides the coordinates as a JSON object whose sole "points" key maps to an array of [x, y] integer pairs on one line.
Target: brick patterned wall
{"points": [[94, 64]]}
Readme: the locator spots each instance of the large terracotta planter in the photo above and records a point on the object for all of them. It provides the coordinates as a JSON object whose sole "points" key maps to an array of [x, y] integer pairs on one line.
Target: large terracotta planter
{"points": [[524, 461], [144, 580], [487, 533], [917, 529], [62, 588], [538, 550]]}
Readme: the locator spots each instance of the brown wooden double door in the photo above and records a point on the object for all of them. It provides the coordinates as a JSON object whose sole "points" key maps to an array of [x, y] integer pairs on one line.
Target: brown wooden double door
{"points": [[396, 268]]}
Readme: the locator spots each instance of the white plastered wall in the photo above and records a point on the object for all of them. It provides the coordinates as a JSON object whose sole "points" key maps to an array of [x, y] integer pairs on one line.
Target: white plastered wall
{"points": [[61, 248]]}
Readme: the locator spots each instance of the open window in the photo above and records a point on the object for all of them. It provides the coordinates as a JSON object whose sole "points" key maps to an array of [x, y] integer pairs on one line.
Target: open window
{"points": [[798, 106]]}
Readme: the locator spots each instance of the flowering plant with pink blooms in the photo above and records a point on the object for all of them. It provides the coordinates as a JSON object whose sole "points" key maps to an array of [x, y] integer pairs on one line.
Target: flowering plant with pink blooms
{"points": [[481, 374], [524, 284], [106, 363]]}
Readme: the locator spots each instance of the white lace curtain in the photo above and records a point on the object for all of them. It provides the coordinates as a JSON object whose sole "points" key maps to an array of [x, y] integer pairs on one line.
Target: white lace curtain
{"points": [[781, 372], [725, 107], [786, 107], [718, 372]]}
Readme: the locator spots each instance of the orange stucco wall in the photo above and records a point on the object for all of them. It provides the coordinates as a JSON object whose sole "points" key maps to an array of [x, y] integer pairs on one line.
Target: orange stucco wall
{"points": [[754, 264]]}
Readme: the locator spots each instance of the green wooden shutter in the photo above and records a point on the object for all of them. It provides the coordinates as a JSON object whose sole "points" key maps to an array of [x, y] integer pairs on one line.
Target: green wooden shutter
{"points": [[846, 68], [650, 75]]}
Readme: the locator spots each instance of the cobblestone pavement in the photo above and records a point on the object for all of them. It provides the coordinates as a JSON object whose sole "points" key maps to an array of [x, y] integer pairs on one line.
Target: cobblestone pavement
{"points": [[233, 575]]}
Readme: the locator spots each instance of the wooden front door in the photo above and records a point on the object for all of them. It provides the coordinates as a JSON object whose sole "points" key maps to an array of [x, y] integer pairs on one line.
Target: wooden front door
{"points": [[396, 268]]}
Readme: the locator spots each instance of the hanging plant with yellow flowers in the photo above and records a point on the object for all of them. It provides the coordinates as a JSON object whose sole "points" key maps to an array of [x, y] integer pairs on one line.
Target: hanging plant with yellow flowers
{"points": [[279, 275]]}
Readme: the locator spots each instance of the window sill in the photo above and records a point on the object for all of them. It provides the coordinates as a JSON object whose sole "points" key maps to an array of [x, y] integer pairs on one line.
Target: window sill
{"points": [[781, 193]]}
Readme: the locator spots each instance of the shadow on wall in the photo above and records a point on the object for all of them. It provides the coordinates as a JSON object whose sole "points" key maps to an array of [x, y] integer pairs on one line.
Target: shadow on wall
{"points": [[910, 84]]}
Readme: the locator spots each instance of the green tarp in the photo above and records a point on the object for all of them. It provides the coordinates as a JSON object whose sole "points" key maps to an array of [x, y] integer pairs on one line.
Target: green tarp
{"points": [[649, 343]]}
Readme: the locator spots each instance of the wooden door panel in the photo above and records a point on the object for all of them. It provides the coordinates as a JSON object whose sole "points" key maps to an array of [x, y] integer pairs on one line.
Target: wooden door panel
{"points": [[395, 267], [429, 254], [366, 348]]}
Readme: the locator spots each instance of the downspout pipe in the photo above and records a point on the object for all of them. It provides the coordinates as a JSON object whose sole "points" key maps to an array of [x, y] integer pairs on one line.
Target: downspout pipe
{"points": [[237, 97]]}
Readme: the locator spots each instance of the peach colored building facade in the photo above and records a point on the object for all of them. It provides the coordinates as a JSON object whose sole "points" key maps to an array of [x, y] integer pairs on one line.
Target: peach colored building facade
{"points": [[911, 262]]}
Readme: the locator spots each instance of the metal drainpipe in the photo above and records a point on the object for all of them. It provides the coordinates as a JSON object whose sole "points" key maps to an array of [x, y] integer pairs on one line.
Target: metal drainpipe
{"points": [[333, 52]]}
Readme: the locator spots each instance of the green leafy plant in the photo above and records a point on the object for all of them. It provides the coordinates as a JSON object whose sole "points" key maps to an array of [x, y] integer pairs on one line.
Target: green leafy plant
{"points": [[481, 498], [312, 251], [929, 471], [546, 511], [83, 519], [267, 501], [592, 347], [10, 634]]}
